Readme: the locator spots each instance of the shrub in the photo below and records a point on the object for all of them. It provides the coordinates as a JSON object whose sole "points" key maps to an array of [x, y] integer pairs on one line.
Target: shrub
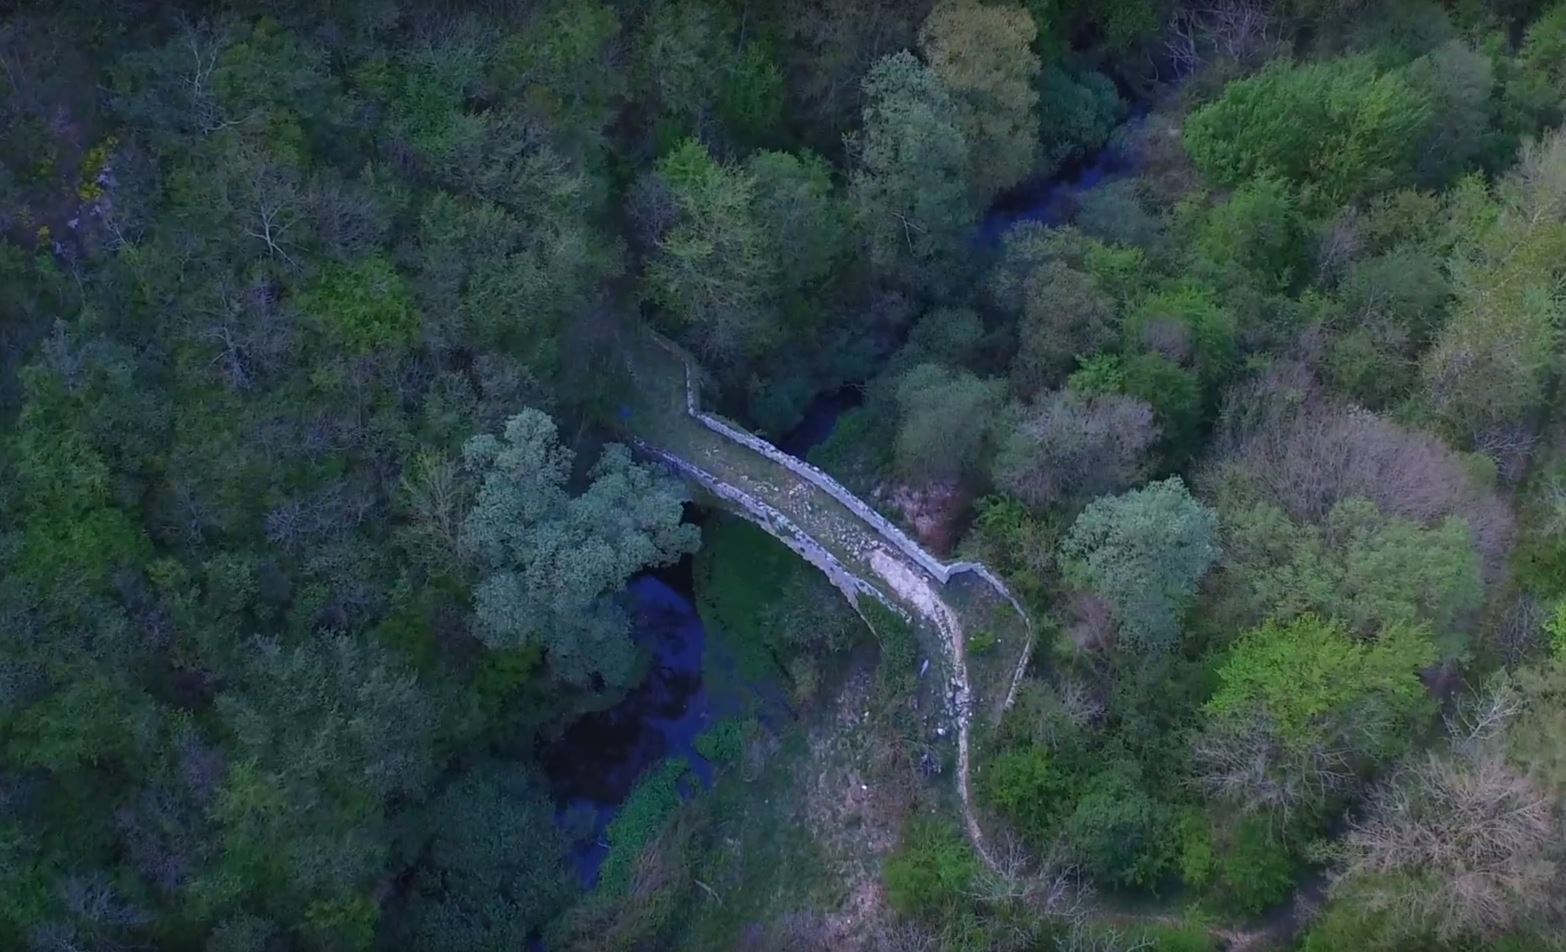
{"points": [[930, 873]]}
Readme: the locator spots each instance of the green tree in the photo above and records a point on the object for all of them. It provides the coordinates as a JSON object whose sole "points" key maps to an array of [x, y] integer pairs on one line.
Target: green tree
{"points": [[713, 270], [363, 307], [982, 54], [1315, 683], [910, 181], [1360, 567], [1144, 551], [327, 737], [1077, 112], [1490, 366], [806, 224], [1342, 127], [494, 868], [550, 562], [941, 434], [1116, 831]]}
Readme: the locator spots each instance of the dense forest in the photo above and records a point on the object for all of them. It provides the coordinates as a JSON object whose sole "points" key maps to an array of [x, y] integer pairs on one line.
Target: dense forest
{"points": [[1228, 332]]}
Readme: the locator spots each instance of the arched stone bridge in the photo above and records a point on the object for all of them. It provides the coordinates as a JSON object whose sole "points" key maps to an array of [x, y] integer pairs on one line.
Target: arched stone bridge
{"points": [[864, 554]]}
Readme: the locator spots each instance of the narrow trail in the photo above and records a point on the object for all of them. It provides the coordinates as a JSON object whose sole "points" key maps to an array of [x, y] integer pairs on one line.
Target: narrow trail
{"points": [[860, 551]]}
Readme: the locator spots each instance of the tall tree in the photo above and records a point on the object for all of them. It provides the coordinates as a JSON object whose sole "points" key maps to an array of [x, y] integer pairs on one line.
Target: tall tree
{"points": [[552, 562], [1144, 551], [911, 173], [983, 54]]}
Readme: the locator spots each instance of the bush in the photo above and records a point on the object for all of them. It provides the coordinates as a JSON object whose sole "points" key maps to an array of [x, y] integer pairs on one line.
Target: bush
{"points": [[930, 873], [1254, 870], [642, 816], [725, 742], [1027, 789]]}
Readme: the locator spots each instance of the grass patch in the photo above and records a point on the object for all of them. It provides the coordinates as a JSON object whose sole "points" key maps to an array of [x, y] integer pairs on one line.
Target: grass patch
{"points": [[644, 814], [773, 612]]}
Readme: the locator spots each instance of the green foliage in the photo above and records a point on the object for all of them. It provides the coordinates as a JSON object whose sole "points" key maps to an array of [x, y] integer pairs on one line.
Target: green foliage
{"points": [[496, 870], [1029, 790], [1260, 230], [1174, 393], [1342, 128], [1361, 567], [929, 874], [1555, 630], [1144, 551], [1491, 364], [363, 307], [712, 269], [910, 183], [1193, 320], [1254, 870], [724, 742], [643, 815], [982, 55], [1116, 831], [940, 434], [1077, 113], [554, 561], [1314, 684]]}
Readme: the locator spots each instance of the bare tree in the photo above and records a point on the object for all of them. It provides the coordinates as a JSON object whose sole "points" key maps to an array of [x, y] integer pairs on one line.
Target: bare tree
{"points": [[1251, 768], [437, 497], [1461, 848], [1242, 31], [1283, 441]]}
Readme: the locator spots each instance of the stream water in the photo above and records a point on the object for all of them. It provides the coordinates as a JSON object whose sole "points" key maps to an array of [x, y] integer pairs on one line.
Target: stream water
{"points": [[595, 763]]}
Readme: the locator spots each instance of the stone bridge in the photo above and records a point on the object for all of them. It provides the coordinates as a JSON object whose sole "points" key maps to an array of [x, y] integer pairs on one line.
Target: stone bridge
{"points": [[863, 553]]}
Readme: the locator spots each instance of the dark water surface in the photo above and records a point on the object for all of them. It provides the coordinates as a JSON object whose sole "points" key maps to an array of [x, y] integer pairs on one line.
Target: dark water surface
{"points": [[1054, 201], [593, 766]]}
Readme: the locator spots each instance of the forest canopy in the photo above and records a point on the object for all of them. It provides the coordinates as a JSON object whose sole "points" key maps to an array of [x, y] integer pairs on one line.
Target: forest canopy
{"points": [[1228, 333]]}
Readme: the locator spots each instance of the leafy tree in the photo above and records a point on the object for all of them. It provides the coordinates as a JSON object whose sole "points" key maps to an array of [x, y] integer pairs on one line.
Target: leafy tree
{"points": [[362, 307], [940, 435], [1490, 365], [1341, 126], [1459, 81], [1077, 112], [1144, 551], [910, 181], [1065, 290], [1185, 325], [712, 269], [806, 223], [1391, 305], [1314, 684], [495, 869], [1075, 447], [551, 562], [1174, 393], [327, 735], [1116, 830], [982, 55], [1258, 229], [1360, 567]]}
